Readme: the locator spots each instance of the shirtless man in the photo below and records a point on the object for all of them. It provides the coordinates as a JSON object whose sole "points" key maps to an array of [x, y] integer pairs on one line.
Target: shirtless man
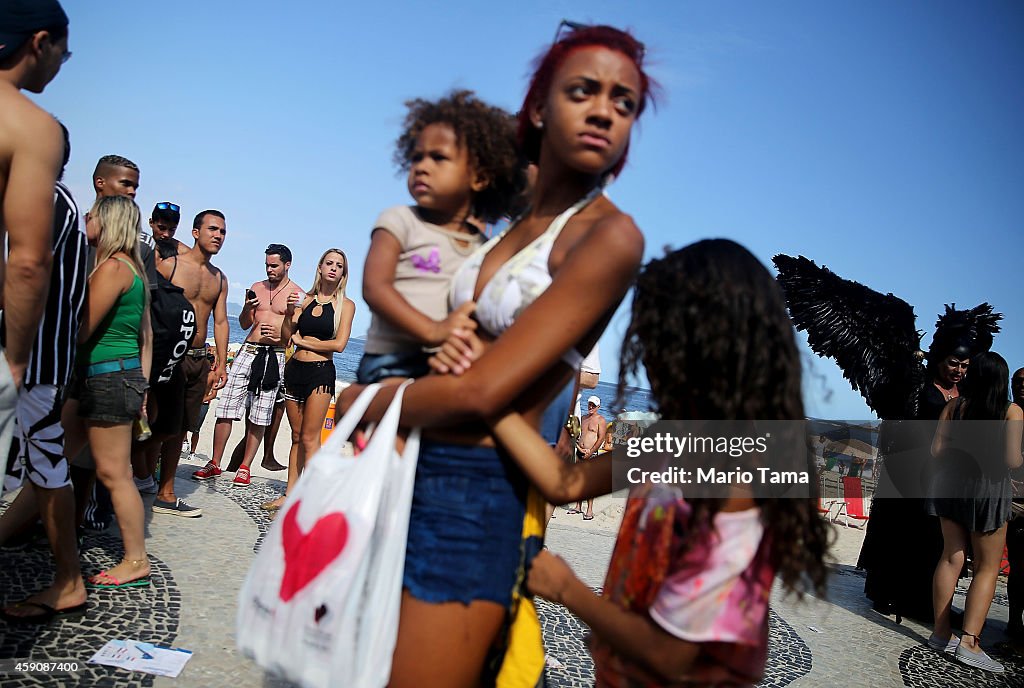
{"points": [[180, 399], [33, 45], [261, 357], [592, 431]]}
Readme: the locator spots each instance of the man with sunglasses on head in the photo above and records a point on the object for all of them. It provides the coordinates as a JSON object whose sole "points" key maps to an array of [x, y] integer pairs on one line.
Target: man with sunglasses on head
{"points": [[257, 374], [163, 223]]}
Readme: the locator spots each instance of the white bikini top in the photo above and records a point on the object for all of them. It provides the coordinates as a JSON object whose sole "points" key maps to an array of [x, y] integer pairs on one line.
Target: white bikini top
{"points": [[518, 282]]}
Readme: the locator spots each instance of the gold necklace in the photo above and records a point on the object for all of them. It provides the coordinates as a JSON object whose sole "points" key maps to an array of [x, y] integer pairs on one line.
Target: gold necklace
{"points": [[318, 309]]}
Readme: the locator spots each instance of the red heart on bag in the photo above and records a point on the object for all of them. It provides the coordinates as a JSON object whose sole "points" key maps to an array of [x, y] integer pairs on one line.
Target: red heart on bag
{"points": [[306, 555]]}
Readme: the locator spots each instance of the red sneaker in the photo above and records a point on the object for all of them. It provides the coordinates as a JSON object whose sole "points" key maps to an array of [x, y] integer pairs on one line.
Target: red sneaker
{"points": [[241, 477], [207, 472]]}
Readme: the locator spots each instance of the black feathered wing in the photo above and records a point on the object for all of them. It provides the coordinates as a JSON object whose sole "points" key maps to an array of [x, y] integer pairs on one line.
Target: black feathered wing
{"points": [[871, 336]]}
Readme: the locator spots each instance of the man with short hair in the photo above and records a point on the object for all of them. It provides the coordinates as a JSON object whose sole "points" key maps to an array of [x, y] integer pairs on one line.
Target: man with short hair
{"points": [[163, 223], [40, 220], [180, 399], [257, 372], [115, 176]]}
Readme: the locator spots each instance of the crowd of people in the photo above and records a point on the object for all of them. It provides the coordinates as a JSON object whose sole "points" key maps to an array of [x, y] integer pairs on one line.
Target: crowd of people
{"points": [[481, 325]]}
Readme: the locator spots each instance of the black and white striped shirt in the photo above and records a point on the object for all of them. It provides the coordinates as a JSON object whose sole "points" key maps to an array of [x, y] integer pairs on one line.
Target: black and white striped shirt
{"points": [[53, 353]]}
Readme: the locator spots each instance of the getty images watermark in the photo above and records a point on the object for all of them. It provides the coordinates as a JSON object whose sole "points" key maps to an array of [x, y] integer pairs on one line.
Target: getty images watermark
{"points": [[713, 458], [771, 459]]}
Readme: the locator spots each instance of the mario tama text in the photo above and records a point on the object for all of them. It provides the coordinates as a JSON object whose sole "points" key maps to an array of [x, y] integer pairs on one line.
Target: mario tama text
{"points": [[712, 459]]}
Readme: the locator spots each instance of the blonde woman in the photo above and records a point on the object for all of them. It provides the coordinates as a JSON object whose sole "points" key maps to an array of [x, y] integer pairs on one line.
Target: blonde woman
{"points": [[318, 329], [111, 371]]}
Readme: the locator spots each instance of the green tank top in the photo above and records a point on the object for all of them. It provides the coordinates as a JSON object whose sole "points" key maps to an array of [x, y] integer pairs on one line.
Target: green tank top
{"points": [[118, 334]]}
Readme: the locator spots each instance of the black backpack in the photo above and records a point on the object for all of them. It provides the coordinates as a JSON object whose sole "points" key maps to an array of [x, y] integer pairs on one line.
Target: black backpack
{"points": [[174, 325]]}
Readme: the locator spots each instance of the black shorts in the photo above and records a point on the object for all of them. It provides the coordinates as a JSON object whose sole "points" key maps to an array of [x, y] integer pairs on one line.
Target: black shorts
{"points": [[114, 397], [179, 400], [302, 378]]}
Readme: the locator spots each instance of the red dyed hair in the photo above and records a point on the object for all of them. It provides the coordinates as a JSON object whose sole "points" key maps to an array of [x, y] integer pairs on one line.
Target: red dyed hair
{"points": [[589, 36]]}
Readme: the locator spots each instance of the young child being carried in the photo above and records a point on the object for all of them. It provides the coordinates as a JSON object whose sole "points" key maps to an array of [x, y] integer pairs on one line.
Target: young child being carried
{"points": [[462, 166], [685, 599]]}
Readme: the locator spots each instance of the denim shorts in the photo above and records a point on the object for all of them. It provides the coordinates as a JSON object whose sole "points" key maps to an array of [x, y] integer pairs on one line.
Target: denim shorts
{"points": [[465, 529], [110, 397], [376, 367]]}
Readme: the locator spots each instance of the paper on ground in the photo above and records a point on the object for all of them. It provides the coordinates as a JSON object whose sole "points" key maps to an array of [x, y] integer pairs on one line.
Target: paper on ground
{"points": [[144, 657]]}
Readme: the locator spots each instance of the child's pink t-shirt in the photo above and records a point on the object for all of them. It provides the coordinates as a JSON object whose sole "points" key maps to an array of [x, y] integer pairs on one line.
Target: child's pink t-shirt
{"points": [[704, 587]]}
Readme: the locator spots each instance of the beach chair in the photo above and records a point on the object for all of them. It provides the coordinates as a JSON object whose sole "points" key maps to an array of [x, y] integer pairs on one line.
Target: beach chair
{"points": [[852, 505], [828, 497]]}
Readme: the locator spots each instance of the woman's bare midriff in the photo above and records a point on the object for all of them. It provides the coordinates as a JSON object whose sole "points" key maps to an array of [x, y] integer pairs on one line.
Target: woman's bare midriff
{"points": [[308, 356]]}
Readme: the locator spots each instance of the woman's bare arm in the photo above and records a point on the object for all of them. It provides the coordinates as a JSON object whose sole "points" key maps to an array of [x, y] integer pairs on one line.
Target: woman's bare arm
{"points": [[291, 317]]}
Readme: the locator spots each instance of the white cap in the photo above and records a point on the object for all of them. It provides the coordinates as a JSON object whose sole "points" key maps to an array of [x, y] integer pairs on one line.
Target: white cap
{"points": [[595, 400]]}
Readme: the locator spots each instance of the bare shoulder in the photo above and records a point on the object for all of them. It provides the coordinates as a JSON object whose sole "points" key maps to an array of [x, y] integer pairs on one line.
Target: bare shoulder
{"points": [[1014, 412], [114, 269], [349, 304], [617, 235], [26, 131], [21, 115]]}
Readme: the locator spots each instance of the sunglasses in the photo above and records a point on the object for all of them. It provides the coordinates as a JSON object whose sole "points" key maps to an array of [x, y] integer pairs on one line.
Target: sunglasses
{"points": [[65, 57], [168, 206], [566, 28]]}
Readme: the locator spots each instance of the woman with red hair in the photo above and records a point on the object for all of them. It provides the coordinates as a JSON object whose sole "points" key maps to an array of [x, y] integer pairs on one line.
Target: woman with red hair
{"points": [[464, 556]]}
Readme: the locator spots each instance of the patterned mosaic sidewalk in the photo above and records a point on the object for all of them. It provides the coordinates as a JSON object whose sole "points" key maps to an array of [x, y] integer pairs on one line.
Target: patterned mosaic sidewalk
{"points": [[198, 565]]}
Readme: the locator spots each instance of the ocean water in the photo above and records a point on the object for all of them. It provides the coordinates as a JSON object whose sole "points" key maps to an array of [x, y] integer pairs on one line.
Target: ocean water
{"points": [[347, 362]]}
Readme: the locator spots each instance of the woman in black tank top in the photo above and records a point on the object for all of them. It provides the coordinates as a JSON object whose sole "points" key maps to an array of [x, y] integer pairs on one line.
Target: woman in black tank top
{"points": [[319, 328]]}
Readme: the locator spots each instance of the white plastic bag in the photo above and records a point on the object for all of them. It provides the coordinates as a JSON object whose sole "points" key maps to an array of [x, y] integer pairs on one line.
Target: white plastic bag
{"points": [[320, 603]]}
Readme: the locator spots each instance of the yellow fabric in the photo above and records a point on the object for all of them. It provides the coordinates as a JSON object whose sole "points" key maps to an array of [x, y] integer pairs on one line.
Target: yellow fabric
{"points": [[523, 663]]}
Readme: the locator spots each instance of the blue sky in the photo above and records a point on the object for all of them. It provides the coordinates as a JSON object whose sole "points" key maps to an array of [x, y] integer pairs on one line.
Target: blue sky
{"points": [[882, 139]]}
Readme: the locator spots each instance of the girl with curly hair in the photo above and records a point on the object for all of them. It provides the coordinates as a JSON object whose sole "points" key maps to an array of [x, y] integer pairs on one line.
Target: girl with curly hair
{"points": [[686, 595], [462, 166]]}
